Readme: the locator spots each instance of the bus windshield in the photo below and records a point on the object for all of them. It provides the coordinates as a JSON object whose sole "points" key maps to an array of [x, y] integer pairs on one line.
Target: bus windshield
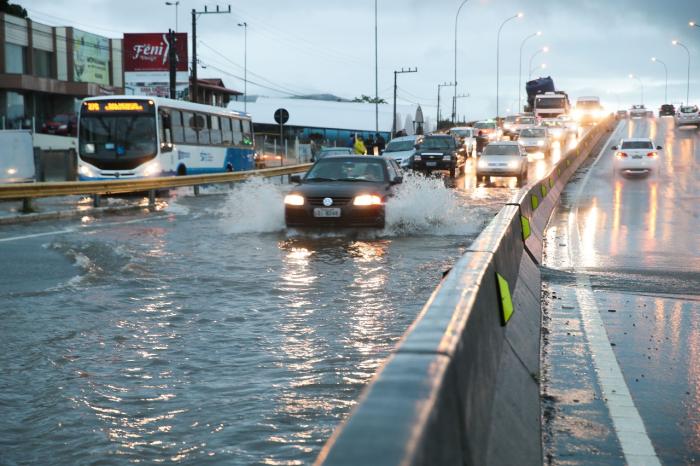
{"points": [[556, 102], [117, 141]]}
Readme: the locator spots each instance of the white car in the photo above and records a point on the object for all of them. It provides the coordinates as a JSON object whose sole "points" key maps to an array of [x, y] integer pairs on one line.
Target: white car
{"points": [[636, 156], [467, 136], [638, 111], [556, 128], [535, 140], [489, 129], [688, 115], [503, 158], [401, 149], [522, 122]]}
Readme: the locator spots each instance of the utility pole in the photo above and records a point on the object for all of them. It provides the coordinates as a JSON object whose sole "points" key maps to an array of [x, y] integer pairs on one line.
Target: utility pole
{"points": [[463, 96], [244, 25], [437, 125], [376, 76], [172, 62], [393, 120], [195, 88]]}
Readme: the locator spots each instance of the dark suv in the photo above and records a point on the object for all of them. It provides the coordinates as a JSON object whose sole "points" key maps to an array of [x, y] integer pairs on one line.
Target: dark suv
{"points": [[667, 110], [438, 152]]}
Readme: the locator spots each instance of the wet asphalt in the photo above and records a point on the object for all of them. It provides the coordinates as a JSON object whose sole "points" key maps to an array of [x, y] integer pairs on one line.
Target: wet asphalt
{"points": [[638, 246]]}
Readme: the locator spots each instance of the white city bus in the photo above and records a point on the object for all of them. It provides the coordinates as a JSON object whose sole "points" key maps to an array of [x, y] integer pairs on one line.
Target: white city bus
{"points": [[134, 137]]}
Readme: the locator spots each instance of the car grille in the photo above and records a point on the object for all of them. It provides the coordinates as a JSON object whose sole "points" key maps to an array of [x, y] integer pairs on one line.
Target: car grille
{"points": [[337, 201]]}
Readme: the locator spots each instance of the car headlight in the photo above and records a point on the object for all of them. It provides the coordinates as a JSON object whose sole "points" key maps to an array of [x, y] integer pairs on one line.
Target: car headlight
{"points": [[482, 164], [540, 143], [367, 199], [417, 158], [446, 158], [513, 164], [294, 199], [11, 171], [85, 170]]}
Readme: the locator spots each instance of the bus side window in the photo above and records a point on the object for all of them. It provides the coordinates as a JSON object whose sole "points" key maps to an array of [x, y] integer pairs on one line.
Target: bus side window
{"points": [[177, 131], [227, 134], [215, 131], [202, 127], [237, 133], [166, 142], [188, 120], [247, 133]]}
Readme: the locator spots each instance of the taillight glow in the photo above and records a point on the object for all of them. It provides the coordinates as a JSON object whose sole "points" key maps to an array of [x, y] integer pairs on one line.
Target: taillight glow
{"points": [[651, 154], [621, 155]]}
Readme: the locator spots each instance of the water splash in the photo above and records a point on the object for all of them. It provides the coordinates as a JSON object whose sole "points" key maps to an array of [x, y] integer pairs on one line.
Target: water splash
{"points": [[425, 206], [255, 206]]}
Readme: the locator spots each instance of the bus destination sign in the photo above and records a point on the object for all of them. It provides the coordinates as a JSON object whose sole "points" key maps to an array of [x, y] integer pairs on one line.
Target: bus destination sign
{"points": [[112, 106]]}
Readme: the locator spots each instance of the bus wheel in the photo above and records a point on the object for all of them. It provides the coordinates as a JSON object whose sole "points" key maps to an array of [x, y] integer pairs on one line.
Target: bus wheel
{"points": [[181, 170], [229, 167]]}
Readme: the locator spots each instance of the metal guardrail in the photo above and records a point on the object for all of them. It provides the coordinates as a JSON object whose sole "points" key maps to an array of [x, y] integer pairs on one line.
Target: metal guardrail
{"points": [[106, 187]]}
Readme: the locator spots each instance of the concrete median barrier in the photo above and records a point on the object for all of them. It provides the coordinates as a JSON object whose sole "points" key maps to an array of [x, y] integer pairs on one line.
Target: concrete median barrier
{"points": [[462, 385]]}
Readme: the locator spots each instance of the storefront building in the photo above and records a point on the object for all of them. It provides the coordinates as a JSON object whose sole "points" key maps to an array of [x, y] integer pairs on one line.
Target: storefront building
{"points": [[46, 70]]}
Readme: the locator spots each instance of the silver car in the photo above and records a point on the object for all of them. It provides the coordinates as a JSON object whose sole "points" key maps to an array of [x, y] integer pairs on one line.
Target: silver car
{"points": [[535, 140], [504, 158], [688, 115]]}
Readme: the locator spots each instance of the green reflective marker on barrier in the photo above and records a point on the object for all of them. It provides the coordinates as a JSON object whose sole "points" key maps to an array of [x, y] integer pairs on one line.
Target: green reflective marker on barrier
{"points": [[543, 190], [534, 201], [559, 171], [506, 302], [551, 183], [525, 222], [568, 162]]}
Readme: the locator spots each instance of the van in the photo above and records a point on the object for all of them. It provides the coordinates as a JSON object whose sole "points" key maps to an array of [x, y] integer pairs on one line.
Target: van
{"points": [[16, 157]]}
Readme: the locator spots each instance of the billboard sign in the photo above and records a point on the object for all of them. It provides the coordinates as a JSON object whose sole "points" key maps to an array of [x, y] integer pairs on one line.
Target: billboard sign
{"points": [[149, 51], [90, 58]]}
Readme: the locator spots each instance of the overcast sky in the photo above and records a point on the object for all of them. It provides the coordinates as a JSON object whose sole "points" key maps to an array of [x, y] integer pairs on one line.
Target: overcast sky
{"points": [[327, 46]]}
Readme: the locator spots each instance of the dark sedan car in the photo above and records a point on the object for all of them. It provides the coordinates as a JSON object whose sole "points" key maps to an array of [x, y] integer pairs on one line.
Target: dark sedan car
{"points": [[667, 110], [342, 191], [438, 152]]}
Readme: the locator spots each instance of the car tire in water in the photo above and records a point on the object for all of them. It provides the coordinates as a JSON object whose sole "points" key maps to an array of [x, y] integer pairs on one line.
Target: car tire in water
{"points": [[181, 170]]}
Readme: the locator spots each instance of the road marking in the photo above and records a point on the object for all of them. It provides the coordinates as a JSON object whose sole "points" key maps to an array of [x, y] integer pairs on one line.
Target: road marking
{"points": [[81, 229], [628, 424]]}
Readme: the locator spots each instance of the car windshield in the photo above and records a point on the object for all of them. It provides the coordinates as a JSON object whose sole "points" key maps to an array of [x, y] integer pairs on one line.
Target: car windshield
{"points": [[637, 145], [689, 109], [532, 133], [637, 107], [463, 133], [338, 151], [485, 125], [398, 146], [437, 143], [587, 105], [501, 149], [550, 102], [342, 169], [113, 142], [525, 121], [511, 118]]}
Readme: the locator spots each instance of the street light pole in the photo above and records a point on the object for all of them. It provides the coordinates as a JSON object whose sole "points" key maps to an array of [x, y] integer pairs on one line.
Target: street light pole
{"points": [[544, 49], [175, 4], [520, 64], [687, 88], [498, 52], [376, 77], [532, 70], [393, 120], [641, 84], [438, 102], [244, 25], [656, 60], [454, 99]]}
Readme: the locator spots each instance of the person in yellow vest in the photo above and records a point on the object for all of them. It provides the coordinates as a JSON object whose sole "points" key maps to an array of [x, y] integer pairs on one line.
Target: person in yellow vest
{"points": [[360, 146]]}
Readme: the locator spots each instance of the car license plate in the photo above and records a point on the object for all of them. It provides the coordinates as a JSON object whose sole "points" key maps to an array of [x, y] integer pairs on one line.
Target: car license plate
{"points": [[431, 164], [326, 212], [636, 156]]}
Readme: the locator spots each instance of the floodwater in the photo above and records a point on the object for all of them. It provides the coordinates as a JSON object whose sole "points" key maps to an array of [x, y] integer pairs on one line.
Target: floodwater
{"points": [[206, 333]]}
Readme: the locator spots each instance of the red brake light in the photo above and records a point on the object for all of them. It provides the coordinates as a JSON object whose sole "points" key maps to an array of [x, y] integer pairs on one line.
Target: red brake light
{"points": [[621, 155], [651, 154]]}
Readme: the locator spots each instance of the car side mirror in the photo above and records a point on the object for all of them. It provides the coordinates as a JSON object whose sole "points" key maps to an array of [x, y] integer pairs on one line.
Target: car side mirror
{"points": [[659, 148], [295, 179], [614, 148], [397, 180]]}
